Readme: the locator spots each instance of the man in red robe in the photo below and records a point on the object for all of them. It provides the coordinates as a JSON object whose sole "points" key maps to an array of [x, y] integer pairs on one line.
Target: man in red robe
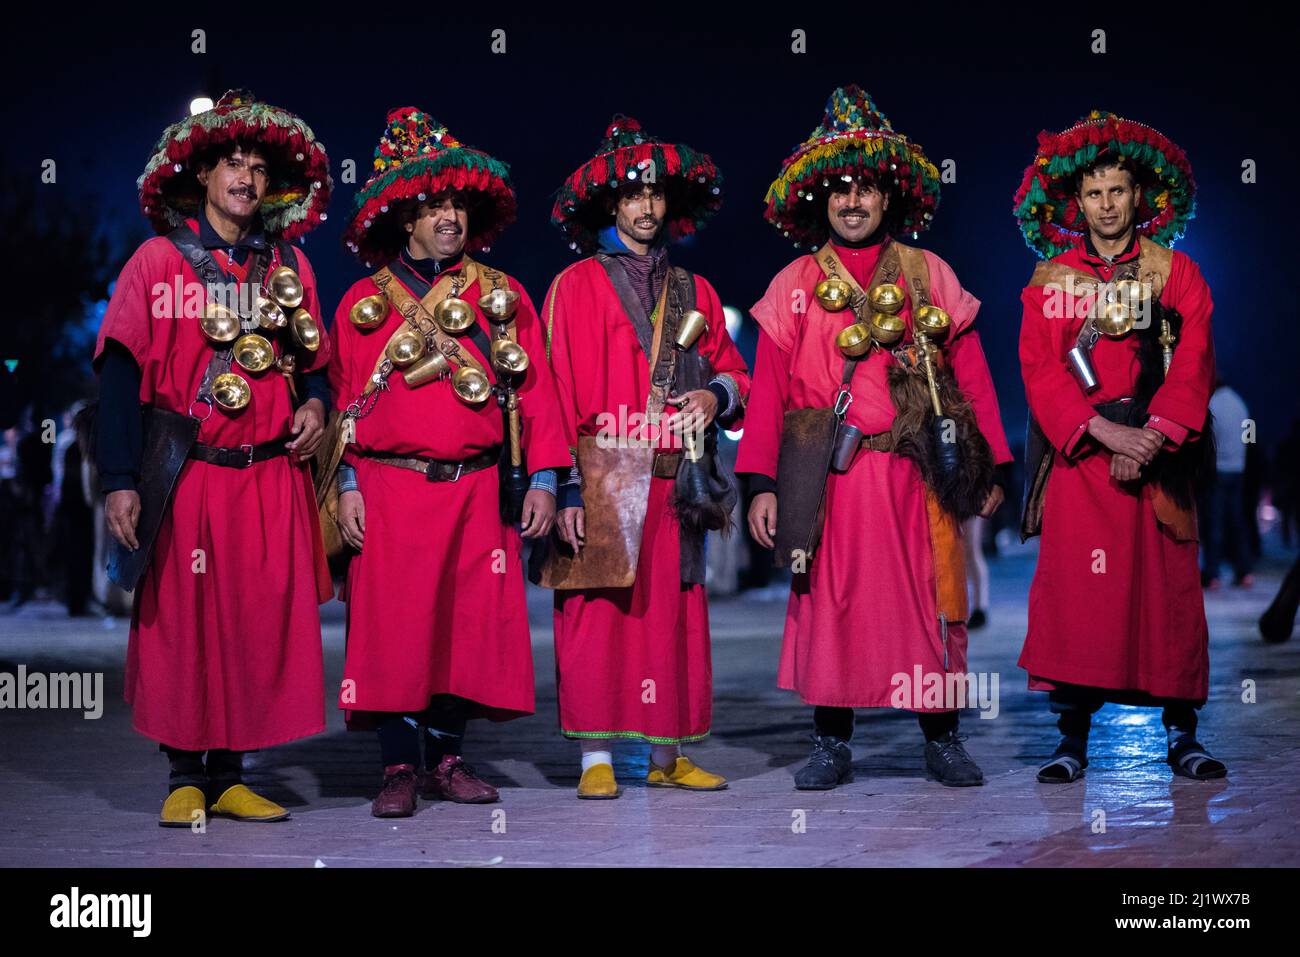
{"points": [[877, 619], [632, 643], [1118, 362], [437, 624], [224, 654]]}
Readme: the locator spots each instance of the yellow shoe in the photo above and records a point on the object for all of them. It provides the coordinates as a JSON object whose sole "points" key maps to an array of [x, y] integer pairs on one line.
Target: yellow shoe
{"points": [[179, 810], [684, 774], [239, 802], [598, 784]]}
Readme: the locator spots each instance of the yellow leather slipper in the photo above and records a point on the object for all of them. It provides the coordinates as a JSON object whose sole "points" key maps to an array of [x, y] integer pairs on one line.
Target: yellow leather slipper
{"points": [[180, 807], [239, 802], [598, 784], [684, 774]]}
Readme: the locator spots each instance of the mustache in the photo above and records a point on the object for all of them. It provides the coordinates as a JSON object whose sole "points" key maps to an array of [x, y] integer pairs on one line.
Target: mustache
{"points": [[243, 191], [442, 226], [855, 211]]}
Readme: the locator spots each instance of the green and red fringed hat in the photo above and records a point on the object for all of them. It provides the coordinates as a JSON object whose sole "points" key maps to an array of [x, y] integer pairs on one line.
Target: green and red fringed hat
{"points": [[1046, 205], [692, 184], [416, 159], [854, 139], [299, 191]]}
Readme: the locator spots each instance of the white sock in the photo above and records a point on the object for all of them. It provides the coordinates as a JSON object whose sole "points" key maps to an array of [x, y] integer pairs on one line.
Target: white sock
{"points": [[596, 753], [665, 755]]}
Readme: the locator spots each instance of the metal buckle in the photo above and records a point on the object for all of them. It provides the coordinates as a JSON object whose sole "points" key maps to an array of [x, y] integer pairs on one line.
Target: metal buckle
{"points": [[249, 463], [460, 468], [206, 400]]}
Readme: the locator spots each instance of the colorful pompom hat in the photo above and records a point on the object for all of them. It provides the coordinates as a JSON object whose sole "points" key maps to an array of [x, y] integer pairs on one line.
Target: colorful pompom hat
{"points": [[296, 198], [1048, 210], [692, 184], [854, 139], [415, 160]]}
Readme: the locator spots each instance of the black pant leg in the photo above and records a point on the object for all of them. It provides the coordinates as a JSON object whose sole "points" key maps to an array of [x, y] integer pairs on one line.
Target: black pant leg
{"points": [[833, 722]]}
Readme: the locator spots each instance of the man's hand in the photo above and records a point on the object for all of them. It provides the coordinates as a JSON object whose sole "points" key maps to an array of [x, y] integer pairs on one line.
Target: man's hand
{"points": [[762, 519], [992, 502], [572, 527], [309, 427], [352, 518], [122, 511], [695, 410], [1124, 468], [539, 513], [1141, 445]]}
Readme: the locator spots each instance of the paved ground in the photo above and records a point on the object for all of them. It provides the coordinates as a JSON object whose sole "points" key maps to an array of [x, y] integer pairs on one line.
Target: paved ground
{"points": [[79, 793]]}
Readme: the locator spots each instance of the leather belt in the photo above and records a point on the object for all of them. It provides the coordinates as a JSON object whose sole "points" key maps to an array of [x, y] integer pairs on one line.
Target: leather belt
{"points": [[239, 457], [438, 470], [665, 464], [880, 442]]}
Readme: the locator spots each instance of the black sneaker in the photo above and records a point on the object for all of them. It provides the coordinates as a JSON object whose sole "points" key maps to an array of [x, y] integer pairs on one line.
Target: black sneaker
{"points": [[948, 761], [827, 767]]}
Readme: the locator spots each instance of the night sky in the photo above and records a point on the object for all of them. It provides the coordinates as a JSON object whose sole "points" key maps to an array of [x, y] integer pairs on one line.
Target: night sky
{"points": [[94, 94]]}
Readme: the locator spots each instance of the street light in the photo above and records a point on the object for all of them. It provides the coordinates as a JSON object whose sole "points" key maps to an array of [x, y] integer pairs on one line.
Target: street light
{"points": [[200, 104]]}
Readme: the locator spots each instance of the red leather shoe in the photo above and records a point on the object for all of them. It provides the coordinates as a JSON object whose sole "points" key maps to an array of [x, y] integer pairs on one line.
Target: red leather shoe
{"points": [[454, 780], [397, 799]]}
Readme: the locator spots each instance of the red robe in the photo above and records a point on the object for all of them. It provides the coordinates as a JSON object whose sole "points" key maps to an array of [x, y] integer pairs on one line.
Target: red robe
{"points": [[1140, 624], [227, 657], [866, 609], [610, 642], [435, 599]]}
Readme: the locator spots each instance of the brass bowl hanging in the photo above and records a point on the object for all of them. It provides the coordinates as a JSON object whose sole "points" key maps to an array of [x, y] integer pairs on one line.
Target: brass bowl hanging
{"points": [[285, 287], [1116, 320], [887, 298], [269, 314], [453, 315], [932, 322], [509, 356], [405, 349], [219, 323], [254, 352], [231, 391], [887, 329], [433, 365], [471, 385], [833, 294], [855, 340], [369, 312], [305, 330], [499, 305]]}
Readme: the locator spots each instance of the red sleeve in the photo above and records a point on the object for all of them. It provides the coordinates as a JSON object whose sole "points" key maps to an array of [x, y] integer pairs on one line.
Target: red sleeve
{"points": [[1055, 398], [560, 355], [339, 370], [971, 370], [545, 440], [1184, 397], [717, 347], [761, 442], [128, 318]]}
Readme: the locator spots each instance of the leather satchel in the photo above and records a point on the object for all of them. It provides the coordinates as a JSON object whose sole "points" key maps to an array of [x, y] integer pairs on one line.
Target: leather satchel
{"points": [[803, 465]]}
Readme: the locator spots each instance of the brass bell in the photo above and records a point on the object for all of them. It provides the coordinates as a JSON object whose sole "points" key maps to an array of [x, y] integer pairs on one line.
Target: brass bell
{"points": [[231, 391], [1128, 291], [887, 329], [509, 356], [499, 305], [254, 352], [286, 363], [471, 385], [854, 340], [433, 365], [405, 349], [833, 294], [692, 326], [932, 322], [369, 312], [305, 330], [887, 298], [1116, 320], [285, 287], [453, 315], [269, 314], [219, 323]]}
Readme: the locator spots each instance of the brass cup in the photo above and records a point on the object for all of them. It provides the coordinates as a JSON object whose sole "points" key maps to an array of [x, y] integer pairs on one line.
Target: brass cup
{"points": [[433, 365], [254, 353], [887, 298], [499, 305], [231, 391], [887, 329], [269, 314], [453, 315], [933, 322], [854, 340], [833, 294], [471, 385], [369, 312], [405, 349], [305, 330], [285, 287], [692, 326], [1131, 292], [1116, 320], [219, 323], [509, 356]]}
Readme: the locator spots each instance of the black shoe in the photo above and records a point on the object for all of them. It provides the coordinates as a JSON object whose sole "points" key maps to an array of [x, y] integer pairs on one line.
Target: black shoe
{"points": [[827, 767], [978, 619], [948, 761], [1066, 764]]}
